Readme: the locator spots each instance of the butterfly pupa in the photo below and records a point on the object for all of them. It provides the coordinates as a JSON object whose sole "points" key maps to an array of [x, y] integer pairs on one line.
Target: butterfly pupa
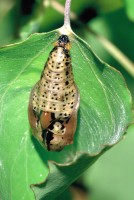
{"points": [[54, 100]]}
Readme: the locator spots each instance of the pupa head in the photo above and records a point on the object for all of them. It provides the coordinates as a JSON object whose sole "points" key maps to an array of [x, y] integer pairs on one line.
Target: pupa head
{"points": [[63, 41]]}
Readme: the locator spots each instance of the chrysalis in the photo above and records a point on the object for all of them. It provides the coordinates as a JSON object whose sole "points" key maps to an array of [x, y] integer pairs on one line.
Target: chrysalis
{"points": [[54, 100]]}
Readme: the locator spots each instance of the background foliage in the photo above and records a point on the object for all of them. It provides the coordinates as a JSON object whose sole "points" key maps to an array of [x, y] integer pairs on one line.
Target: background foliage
{"points": [[111, 177]]}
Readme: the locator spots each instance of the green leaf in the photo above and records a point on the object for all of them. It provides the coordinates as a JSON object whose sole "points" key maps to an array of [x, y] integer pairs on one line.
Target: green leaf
{"points": [[61, 176], [115, 30], [104, 114], [130, 9], [20, 163], [112, 175], [108, 6], [8, 16], [47, 16]]}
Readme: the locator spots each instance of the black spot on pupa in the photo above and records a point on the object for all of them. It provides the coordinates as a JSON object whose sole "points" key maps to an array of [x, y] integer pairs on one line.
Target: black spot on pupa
{"points": [[67, 120], [60, 121], [62, 127], [34, 112], [49, 137], [67, 72], [43, 134], [65, 50], [51, 126], [66, 63], [66, 83], [52, 116], [67, 55]]}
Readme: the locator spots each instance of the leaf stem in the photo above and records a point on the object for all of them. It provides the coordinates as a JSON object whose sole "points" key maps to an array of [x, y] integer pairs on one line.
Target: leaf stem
{"points": [[67, 13]]}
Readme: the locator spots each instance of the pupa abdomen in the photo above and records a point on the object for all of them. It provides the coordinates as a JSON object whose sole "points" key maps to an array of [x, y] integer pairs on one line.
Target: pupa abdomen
{"points": [[54, 99]]}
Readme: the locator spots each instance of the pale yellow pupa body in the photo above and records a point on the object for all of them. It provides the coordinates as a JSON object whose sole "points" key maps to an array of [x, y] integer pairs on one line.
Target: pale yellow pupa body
{"points": [[54, 100]]}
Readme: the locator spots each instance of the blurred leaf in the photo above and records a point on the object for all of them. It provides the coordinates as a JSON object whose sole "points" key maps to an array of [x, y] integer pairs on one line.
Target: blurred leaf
{"points": [[31, 27], [47, 17], [105, 112], [7, 21], [112, 175], [111, 27], [116, 30], [130, 9], [108, 6], [33, 22]]}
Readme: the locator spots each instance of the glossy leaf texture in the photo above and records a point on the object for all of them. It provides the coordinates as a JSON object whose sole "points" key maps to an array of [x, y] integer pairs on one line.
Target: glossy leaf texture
{"points": [[104, 114]]}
